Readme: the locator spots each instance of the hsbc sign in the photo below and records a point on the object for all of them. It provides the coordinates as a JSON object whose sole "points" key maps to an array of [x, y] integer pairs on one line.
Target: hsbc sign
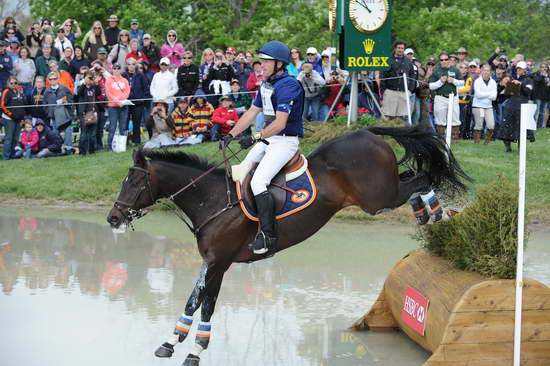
{"points": [[415, 310]]}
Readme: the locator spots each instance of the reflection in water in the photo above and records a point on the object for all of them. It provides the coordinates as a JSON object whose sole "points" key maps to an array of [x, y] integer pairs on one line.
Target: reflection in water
{"points": [[71, 288]]}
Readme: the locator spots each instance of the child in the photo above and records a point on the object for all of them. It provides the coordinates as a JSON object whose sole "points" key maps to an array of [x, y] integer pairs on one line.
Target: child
{"points": [[182, 122], [29, 141], [201, 111], [50, 142], [241, 101], [224, 118]]}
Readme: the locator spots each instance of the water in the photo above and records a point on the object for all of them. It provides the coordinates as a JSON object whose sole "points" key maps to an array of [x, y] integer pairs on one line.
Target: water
{"points": [[72, 292]]}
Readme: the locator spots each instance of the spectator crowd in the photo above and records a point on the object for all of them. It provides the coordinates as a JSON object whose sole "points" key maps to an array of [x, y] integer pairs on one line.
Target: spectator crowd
{"points": [[62, 88]]}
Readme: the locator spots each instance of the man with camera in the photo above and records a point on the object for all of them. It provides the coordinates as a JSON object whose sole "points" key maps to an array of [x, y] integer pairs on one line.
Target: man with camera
{"points": [[312, 82], [6, 65]]}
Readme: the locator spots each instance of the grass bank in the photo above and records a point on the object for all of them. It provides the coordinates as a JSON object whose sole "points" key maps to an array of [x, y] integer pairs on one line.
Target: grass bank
{"points": [[97, 178]]}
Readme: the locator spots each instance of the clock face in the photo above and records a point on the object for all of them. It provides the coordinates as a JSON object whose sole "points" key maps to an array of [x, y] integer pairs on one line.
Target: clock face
{"points": [[368, 15]]}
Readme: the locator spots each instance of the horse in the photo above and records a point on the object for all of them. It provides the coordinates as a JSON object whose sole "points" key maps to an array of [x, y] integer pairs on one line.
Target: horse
{"points": [[358, 168]]}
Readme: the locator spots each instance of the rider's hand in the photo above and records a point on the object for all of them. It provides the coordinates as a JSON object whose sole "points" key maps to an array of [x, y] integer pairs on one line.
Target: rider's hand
{"points": [[226, 140], [246, 141]]}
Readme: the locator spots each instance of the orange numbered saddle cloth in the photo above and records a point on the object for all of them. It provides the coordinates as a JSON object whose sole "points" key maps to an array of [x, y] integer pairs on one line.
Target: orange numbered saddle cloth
{"points": [[293, 188]]}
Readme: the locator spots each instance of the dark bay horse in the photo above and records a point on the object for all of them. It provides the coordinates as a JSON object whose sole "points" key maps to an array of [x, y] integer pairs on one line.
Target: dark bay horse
{"points": [[358, 168]]}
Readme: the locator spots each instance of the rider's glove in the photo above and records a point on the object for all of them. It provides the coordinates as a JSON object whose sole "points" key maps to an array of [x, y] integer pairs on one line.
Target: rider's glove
{"points": [[247, 141], [225, 141]]}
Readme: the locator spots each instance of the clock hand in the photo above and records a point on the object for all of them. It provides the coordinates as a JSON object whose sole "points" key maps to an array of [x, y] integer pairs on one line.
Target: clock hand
{"points": [[364, 5]]}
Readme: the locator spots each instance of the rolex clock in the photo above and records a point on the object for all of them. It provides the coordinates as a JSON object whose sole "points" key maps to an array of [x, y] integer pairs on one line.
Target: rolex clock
{"points": [[368, 16]]}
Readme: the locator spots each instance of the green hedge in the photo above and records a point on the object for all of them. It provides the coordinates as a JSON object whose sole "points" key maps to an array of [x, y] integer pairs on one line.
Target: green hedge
{"points": [[483, 238]]}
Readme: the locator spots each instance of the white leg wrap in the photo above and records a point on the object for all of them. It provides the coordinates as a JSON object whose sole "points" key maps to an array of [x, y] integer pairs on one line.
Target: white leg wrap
{"points": [[174, 339], [197, 349]]}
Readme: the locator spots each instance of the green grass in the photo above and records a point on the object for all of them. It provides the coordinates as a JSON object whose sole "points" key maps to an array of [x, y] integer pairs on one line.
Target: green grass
{"points": [[97, 178]]}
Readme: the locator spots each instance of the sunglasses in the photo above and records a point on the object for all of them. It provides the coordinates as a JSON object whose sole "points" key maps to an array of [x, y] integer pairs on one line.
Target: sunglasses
{"points": [[132, 63], [187, 58], [443, 59], [97, 27], [52, 79], [171, 35], [163, 64], [13, 83], [431, 64], [311, 54]]}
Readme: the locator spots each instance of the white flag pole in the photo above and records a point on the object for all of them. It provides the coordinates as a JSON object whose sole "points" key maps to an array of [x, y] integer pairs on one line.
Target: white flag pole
{"points": [[527, 118], [451, 101], [407, 96]]}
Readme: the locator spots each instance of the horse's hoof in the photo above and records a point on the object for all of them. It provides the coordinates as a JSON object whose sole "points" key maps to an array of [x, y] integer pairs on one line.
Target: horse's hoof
{"points": [[165, 351], [191, 360]]}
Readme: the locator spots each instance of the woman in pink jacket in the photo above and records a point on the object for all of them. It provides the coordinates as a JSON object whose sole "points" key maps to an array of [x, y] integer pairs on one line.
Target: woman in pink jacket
{"points": [[172, 48], [117, 89]]}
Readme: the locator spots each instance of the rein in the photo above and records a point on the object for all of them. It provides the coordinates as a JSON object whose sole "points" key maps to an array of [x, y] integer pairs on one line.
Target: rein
{"points": [[136, 214]]}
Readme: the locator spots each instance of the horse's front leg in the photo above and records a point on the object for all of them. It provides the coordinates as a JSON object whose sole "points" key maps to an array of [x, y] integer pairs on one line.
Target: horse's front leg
{"points": [[183, 324], [202, 338]]}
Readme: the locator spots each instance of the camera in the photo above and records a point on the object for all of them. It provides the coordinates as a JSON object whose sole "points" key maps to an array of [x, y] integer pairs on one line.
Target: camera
{"points": [[502, 49], [308, 74]]}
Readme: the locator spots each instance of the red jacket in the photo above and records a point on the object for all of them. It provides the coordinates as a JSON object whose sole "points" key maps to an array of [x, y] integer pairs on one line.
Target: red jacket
{"points": [[222, 115], [251, 83], [31, 139]]}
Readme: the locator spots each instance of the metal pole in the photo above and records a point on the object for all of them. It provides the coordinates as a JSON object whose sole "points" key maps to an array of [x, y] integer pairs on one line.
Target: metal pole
{"points": [[449, 118], [352, 114], [372, 96], [337, 97], [408, 98]]}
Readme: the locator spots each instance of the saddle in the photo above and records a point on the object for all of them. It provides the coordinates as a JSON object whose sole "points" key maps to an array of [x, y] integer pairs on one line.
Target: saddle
{"points": [[242, 175]]}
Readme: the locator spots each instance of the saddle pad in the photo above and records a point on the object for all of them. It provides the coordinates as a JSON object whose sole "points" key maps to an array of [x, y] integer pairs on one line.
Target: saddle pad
{"points": [[304, 195]]}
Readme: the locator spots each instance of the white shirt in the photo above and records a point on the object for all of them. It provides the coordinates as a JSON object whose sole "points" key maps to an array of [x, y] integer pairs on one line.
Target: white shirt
{"points": [[62, 44], [484, 94], [164, 86]]}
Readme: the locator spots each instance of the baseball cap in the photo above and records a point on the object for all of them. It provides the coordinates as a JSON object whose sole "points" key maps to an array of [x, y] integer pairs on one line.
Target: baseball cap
{"points": [[164, 61], [311, 50], [225, 97], [134, 21], [461, 50], [503, 57], [14, 40], [116, 66], [472, 63], [325, 53], [522, 65], [231, 50], [147, 36], [113, 18], [235, 81], [409, 50], [100, 50]]}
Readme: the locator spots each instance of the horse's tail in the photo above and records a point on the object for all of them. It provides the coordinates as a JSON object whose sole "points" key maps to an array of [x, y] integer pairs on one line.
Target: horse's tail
{"points": [[431, 155]]}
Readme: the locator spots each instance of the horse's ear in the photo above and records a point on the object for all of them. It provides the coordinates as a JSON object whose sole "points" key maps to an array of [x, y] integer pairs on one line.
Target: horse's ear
{"points": [[139, 158]]}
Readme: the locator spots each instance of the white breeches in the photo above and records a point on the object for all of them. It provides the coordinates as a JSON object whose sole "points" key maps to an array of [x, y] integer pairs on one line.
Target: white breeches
{"points": [[441, 107], [272, 158], [481, 114]]}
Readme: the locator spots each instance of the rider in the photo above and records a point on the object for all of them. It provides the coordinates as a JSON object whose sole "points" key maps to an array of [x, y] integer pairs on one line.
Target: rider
{"points": [[281, 98]]}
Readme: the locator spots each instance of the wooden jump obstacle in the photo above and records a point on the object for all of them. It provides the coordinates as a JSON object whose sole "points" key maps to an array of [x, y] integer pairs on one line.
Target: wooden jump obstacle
{"points": [[470, 319]]}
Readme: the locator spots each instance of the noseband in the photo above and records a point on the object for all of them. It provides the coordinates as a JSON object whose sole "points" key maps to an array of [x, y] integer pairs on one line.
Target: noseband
{"points": [[132, 213]]}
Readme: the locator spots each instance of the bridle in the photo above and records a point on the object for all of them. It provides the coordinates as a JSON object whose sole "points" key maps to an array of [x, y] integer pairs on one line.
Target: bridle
{"points": [[136, 214], [133, 213]]}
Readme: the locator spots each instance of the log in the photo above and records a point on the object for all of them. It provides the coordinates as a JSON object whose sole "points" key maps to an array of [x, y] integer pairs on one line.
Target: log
{"points": [[470, 318]]}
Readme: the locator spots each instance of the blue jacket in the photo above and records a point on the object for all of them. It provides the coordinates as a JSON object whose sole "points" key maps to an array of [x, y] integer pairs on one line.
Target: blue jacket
{"points": [[288, 97], [50, 139], [6, 65], [139, 86], [137, 34]]}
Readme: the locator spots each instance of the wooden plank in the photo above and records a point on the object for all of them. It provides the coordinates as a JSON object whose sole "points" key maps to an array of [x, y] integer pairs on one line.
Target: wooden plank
{"points": [[496, 326], [500, 295], [379, 317], [491, 351]]}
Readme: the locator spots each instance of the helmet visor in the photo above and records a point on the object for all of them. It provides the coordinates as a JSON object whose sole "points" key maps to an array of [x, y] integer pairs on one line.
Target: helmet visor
{"points": [[263, 56]]}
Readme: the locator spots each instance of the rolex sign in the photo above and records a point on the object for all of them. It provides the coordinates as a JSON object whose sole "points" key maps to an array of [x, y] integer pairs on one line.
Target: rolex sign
{"points": [[367, 34]]}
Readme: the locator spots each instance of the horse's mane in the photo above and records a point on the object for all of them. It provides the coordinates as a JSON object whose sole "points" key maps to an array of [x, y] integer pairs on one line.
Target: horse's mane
{"points": [[180, 158]]}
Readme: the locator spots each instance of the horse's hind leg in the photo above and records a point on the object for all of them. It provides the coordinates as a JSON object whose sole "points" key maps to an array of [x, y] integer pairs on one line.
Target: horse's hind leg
{"points": [[417, 191], [183, 324]]}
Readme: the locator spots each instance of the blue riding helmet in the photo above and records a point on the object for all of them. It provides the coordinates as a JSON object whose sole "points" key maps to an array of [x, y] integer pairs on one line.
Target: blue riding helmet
{"points": [[275, 50]]}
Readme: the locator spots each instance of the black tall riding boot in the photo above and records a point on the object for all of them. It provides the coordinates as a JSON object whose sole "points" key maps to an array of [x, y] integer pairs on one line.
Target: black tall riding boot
{"points": [[266, 239]]}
